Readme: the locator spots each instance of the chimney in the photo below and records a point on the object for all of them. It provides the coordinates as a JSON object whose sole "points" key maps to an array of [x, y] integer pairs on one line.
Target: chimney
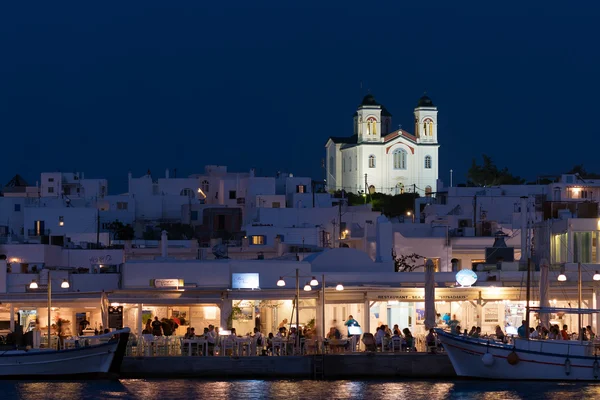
{"points": [[164, 244], [385, 239]]}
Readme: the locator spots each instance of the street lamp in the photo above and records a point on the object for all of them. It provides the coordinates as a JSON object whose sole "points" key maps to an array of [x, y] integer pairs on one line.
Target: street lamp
{"points": [[307, 288], [314, 281], [596, 276], [562, 277], [34, 285]]}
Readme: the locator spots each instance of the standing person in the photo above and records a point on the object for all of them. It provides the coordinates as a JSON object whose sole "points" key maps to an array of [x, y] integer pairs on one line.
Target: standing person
{"points": [[350, 322], [148, 329], [156, 327], [564, 333]]}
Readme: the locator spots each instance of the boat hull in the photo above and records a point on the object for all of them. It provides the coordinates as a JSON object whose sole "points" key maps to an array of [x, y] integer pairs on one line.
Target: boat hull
{"points": [[95, 361], [467, 357]]}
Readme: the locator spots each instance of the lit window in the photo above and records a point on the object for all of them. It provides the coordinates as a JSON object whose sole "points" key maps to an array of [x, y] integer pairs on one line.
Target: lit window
{"points": [[399, 158], [276, 204], [427, 162], [371, 126], [371, 161], [121, 205], [300, 188], [258, 239], [428, 127]]}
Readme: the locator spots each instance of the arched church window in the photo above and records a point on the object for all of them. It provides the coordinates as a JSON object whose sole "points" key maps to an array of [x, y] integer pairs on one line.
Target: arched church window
{"points": [[331, 166], [371, 189], [371, 126], [427, 162], [427, 191], [428, 127], [371, 161], [399, 159], [204, 186], [350, 163]]}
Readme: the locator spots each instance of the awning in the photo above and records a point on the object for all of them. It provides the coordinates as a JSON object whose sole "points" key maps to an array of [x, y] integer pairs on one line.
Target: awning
{"points": [[565, 310]]}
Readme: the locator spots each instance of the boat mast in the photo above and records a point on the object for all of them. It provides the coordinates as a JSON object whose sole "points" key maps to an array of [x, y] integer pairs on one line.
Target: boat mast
{"points": [[579, 290], [528, 298]]}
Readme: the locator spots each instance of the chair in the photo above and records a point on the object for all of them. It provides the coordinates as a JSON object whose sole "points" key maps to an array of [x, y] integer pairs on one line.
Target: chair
{"points": [[279, 348], [369, 341], [228, 345], [396, 344]]}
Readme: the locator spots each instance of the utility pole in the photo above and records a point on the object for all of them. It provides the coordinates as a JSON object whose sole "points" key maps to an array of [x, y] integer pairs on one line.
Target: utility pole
{"points": [[98, 230], [340, 218]]}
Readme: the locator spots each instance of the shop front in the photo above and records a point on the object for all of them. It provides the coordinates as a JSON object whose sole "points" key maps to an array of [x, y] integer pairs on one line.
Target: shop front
{"points": [[267, 310]]}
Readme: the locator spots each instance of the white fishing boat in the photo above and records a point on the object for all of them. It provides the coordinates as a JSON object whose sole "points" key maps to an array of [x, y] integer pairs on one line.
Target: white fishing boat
{"points": [[96, 356], [525, 359]]}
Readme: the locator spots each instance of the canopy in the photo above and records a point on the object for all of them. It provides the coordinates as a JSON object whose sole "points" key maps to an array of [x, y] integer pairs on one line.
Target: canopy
{"points": [[565, 310]]}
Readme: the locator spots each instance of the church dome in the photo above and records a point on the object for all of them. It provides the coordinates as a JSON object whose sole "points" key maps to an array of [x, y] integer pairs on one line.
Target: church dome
{"points": [[369, 100], [425, 101]]}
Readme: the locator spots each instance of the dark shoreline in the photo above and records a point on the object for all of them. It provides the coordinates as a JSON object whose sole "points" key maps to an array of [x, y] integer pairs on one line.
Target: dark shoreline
{"points": [[327, 367]]}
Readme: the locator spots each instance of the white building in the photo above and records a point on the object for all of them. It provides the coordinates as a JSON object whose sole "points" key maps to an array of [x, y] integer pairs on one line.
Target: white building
{"points": [[377, 159]]}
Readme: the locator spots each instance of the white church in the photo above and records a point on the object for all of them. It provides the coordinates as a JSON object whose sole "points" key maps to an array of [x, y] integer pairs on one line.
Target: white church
{"points": [[375, 159]]}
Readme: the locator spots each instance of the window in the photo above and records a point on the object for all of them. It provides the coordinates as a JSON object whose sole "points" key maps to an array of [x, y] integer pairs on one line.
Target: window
{"points": [[186, 192], [102, 191], [371, 126], [427, 162], [371, 161], [106, 226], [399, 157], [350, 163], [258, 239], [220, 222], [300, 188], [428, 191], [276, 204], [50, 179], [204, 186], [371, 189], [428, 127], [194, 215], [399, 188], [343, 164], [331, 166], [50, 189], [122, 205], [232, 195], [17, 207]]}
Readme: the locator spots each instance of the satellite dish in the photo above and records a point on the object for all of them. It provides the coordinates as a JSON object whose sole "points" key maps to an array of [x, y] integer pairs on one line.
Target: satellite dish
{"points": [[220, 251]]}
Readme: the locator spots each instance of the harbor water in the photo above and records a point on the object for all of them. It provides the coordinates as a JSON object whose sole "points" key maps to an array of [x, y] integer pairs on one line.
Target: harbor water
{"points": [[293, 389]]}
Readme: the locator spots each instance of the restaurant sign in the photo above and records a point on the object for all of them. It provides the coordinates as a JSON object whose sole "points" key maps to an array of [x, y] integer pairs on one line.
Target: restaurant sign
{"points": [[166, 283], [245, 281], [419, 295]]}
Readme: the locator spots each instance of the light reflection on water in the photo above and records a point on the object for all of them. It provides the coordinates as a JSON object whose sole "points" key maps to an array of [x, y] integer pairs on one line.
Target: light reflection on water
{"points": [[287, 389]]}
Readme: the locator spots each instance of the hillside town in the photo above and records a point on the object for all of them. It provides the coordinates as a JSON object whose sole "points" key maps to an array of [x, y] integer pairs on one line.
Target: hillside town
{"points": [[212, 248]]}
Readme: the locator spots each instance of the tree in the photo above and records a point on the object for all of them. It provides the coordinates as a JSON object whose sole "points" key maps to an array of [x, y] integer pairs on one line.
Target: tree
{"points": [[121, 231], [580, 170], [406, 262], [488, 174]]}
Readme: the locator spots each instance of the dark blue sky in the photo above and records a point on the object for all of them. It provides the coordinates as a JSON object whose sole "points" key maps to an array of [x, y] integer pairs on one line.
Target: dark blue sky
{"points": [[263, 84]]}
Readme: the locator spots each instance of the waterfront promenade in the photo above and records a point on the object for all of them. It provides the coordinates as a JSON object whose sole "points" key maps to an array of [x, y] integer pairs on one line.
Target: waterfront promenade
{"points": [[328, 366]]}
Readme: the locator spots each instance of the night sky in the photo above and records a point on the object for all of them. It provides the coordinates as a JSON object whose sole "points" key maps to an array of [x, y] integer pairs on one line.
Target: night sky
{"points": [[142, 85]]}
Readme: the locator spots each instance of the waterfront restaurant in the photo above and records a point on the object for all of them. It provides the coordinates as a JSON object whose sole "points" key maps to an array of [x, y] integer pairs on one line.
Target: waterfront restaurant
{"points": [[245, 294]]}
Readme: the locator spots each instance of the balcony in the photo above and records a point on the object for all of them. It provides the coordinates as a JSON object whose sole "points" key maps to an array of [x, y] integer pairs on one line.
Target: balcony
{"points": [[35, 232]]}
